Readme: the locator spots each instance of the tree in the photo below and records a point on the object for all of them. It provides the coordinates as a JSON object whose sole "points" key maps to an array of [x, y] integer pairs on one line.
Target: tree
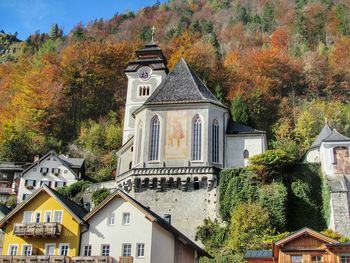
{"points": [[239, 110], [249, 224], [268, 22], [55, 32]]}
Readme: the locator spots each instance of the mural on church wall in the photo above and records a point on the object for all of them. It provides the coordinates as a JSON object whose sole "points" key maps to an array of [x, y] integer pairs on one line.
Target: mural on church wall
{"points": [[341, 160], [176, 135]]}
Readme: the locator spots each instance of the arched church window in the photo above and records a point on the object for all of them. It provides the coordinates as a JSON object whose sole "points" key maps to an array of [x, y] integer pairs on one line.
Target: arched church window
{"points": [[154, 140], [139, 142], [246, 154], [215, 131], [196, 138]]}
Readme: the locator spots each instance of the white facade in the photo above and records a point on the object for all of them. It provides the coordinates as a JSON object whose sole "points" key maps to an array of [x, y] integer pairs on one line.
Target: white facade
{"points": [[49, 170], [108, 226], [136, 96]]}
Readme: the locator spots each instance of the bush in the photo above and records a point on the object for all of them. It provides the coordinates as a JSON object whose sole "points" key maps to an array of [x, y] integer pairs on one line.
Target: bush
{"points": [[270, 164], [274, 198], [74, 189], [335, 235], [99, 195]]}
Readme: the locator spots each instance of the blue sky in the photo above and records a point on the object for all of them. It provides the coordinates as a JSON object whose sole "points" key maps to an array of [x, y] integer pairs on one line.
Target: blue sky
{"points": [[27, 16]]}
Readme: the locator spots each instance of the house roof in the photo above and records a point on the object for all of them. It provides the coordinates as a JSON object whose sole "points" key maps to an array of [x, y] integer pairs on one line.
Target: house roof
{"points": [[335, 136], [150, 215], [235, 128], [67, 164], [74, 209], [182, 85], [325, 132], [125, 146], [258, 254], [4, 209], [73, 162]]}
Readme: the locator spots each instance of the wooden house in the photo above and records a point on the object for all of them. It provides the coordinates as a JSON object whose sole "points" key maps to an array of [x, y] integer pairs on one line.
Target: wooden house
{"points": [[305, 245]]}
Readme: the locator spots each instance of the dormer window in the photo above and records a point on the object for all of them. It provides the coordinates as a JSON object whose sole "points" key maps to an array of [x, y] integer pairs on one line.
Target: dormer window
{"points": [[144, 90]]}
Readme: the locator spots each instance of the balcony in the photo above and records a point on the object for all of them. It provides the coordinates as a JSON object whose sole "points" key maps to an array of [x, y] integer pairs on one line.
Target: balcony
{"points": [[125, 259], [92, 259], [34, 259], [37, 229]]}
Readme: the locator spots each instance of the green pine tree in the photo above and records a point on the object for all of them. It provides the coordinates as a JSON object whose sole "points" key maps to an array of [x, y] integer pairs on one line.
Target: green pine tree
{"points": [[239, 110]]}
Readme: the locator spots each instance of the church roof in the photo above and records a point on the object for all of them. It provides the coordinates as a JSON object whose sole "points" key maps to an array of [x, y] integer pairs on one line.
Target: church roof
{"points": [[236, 127], [335, 136], [325, 132], [182, 85], [150, 55]]}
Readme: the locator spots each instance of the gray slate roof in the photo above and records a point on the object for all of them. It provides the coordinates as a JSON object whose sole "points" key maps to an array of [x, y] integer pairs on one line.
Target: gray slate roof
{"points": [[235, 128], [258, 254], [325, 132], [73, 162], [335, 136], [182, 85]]}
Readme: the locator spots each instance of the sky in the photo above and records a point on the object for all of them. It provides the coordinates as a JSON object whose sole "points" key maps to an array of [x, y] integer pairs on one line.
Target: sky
{"points": [[27, 16]]}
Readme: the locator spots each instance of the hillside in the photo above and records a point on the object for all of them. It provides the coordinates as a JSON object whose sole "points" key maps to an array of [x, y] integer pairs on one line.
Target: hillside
{"points": [[282, 66]]}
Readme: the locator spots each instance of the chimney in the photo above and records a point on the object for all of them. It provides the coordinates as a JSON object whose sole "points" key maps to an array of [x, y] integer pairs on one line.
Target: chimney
{"points": [[36, 158], [87, 206], [167, 218]]}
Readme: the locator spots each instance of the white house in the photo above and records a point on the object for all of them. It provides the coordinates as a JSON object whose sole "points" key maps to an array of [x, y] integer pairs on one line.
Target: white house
{"points": [[124, 229], [331, 150], [53, 170]]}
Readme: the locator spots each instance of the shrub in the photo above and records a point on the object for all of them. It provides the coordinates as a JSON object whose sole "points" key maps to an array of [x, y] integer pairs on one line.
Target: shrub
{"points": [[99, 195], [74, 189]]}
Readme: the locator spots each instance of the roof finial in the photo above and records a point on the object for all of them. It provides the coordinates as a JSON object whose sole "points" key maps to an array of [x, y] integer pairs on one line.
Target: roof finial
{"points": [[153, 33]]}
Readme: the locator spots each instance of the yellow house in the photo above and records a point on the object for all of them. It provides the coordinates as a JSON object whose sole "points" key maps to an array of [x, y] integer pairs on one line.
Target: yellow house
{"points": [[46, 224]]}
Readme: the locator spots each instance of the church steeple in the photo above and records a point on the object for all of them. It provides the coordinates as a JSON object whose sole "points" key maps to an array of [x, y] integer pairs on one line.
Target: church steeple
{"points": [[144, 74]]}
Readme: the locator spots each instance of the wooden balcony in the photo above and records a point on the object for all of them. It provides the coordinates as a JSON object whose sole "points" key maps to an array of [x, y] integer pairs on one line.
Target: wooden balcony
{"points": [[37, 229], [34, 259], [125, 259], [92, 259]]}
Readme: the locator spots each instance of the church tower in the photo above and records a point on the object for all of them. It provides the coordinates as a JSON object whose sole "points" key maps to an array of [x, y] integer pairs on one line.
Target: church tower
{"points": [[144, 75]]}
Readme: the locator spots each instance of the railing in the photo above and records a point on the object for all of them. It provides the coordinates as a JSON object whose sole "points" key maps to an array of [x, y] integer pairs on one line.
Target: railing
{"points": [[125, 259], [37, 229], [34, 259], [4, 190], [92, 259]]}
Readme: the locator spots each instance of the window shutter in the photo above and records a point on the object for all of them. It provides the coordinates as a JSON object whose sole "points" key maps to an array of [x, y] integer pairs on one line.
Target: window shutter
{"points": [[25, 182], [34, 183]]}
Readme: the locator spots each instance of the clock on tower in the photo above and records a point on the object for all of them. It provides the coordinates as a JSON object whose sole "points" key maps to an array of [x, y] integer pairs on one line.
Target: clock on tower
{"points": [[144, 73]]}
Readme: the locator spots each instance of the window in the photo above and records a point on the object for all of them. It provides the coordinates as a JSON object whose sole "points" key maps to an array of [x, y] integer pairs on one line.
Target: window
{"points": [[345, 259], [144, 90], [47, 216], [37, 216], [87, 250], [25, 196], [111, 219], [196, 138], [58, 216], [140, 252], [215, 141], [31, 183], [130, 165], [27, 217], [44, 170], [63, 249], [49, 249], [316, 258], [126, 218], [154, 140], [55, 171], [296, 259], [246, 154], [27, 250], [126, 250], [13, 250], [139, 141], [60, 184], [105, 250]]}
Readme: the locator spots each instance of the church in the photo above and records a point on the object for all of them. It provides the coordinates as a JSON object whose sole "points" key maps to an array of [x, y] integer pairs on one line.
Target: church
{"points": [[177, 138]]}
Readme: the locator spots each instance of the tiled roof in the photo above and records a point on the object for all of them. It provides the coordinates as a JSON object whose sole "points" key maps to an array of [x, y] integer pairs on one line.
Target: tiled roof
{"points": [[325, 132], [73, 162], [335, 136], [258, 254], [182, 85], [235, 127]]}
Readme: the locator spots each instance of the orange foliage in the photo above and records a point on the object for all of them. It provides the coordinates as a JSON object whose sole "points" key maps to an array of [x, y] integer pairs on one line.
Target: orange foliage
{"points": [[279, 38]]}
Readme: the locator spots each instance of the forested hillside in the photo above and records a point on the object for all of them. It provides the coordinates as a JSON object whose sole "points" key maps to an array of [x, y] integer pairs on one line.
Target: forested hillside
{"points": [[282, 66]]}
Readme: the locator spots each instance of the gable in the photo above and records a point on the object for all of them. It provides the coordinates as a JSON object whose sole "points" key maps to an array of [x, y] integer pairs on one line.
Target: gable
{"points": [[305, 242]]}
